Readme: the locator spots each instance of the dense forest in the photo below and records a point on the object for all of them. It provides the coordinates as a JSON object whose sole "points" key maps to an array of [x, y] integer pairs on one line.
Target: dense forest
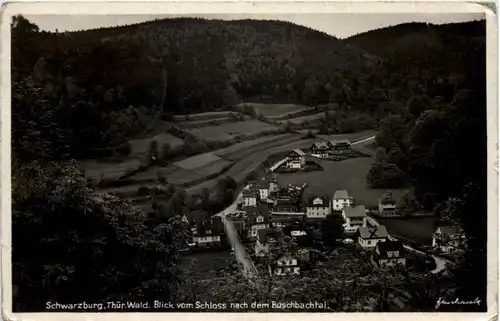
{"points": [[76, 94]]}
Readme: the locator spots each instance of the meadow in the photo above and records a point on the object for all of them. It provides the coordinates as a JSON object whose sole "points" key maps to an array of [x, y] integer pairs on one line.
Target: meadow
{"points": [[232, 130], [273, 110], [349, 175]]}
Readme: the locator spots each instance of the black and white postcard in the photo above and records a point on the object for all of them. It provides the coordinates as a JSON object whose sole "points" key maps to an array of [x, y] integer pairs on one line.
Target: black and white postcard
{"points": [[250, 158]]}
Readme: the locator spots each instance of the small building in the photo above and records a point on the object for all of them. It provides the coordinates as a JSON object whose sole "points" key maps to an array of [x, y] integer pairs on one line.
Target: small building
{"points": [[309, 254], [260, 187], [317, 207], [285, 206], [447, 239], [208, 232], [295, 159], [387, 205], [320, 149], [258, 219], [368, 237], [340, 199], [261, 243], [249, 198], [389, 254], [354, 217], [286, 265], [340, 147]]}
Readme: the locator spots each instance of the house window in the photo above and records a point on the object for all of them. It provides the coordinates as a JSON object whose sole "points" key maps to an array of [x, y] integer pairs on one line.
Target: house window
{"points": [[260, 219], [369, 242]]}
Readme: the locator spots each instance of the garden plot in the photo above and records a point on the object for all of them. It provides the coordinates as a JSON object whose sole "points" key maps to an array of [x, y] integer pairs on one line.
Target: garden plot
{"points": [[248, 144]]}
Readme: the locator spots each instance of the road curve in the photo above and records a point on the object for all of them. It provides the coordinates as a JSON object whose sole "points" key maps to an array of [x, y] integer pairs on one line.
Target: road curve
{"points": [[440, 262]]}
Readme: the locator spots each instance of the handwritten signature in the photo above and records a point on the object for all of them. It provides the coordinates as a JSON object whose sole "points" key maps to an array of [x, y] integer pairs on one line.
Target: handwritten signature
{"points": [[457, 301]]}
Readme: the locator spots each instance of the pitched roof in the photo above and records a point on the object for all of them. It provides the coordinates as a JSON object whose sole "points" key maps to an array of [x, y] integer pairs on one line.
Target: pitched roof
{"points": [[310, 200], [259, 183], [320, 145], [248, 193], [448, 230], [373, 232], [298, 152], [341, 194], [387, 199], [355, 211], [390, 246], [253, 212], [340, 142]]}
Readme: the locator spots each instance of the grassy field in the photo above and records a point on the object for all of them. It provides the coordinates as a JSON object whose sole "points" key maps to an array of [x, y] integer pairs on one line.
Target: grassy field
{"points": [[302, 119], [248, 159], [419, 230], [229, 131], [273, 110], [202, 116], [349, 174], [197, 161], [141, 146], [95, 168], [249, 144]]}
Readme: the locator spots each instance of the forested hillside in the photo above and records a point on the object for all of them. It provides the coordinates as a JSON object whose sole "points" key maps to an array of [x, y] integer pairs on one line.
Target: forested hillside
{"points": [[75, 95], [439, 145]]}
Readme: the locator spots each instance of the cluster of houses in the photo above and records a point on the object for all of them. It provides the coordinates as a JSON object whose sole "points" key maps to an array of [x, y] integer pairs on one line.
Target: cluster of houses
{"points": [[297, 159], [325, 149]]}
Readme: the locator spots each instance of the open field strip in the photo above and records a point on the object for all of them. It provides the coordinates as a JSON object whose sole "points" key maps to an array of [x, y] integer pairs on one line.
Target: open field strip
{"points": [[113, 170], [231, 130], [302, 119], [141, 146], [248, 144], [273, 110], [202, 116], [197, 161]]}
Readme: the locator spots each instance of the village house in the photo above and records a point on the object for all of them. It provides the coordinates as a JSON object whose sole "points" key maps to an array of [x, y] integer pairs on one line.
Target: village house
{"points": [[317, 207], [249, 198], [387, 205], [260, 187], [354, 217], [258, 219], [447, 239], [368, 237], [208, 232], [295, 159], [284, 206], [340, 147], [309, 254], [286, 265], [340, 199], [389, 254], [261, 243], [319, 149]]}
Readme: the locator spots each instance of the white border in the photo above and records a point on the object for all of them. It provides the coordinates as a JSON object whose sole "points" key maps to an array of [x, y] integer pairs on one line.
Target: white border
{"points": [[256, 7]]}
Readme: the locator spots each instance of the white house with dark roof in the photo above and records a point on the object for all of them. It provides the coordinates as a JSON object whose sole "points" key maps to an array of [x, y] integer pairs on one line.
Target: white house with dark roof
{"points": [[320, 149], [286, 265], [340, 147], [258, 219], [295, 159], [387, 205], [261, 187], [317, 207], [368, 237], [249, 198], [389, 254], [208, 232], [354, 217], [448, 239], [340, 199]]}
